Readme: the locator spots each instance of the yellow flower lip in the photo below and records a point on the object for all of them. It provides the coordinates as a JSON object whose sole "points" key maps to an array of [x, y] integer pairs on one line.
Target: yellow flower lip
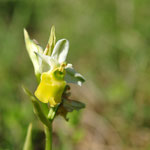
{"points": [[51, 87]]}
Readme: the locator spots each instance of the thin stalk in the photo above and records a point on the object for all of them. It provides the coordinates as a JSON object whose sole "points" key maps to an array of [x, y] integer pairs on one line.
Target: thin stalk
{"points": [[52, 113], [48, 137]]}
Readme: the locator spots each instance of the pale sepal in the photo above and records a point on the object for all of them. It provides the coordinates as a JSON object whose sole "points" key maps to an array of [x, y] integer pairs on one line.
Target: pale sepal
{"points": [[72, 76], [60, 50], [33, 47], [48, 63]]}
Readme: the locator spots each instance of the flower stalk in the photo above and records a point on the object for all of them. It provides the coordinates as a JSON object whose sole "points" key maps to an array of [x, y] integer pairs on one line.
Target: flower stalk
{"points": [[48, 136]]}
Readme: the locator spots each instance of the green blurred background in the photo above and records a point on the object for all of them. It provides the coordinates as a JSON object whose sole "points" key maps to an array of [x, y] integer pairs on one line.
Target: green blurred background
{"points": [[109, 45]]}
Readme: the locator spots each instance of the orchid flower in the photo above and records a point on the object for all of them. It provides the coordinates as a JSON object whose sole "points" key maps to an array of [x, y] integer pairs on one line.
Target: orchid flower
{"points": [[51, 68]]}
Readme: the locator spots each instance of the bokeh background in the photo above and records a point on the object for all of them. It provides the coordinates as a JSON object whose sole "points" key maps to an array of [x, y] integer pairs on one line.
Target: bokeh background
{"points": [[109, 45]]}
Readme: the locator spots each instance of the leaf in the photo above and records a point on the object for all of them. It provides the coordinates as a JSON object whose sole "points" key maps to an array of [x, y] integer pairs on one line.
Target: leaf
{"points": [[51, 42], [37, 108], [28, 140], [72, 76], [33, 47], [61, 50]]}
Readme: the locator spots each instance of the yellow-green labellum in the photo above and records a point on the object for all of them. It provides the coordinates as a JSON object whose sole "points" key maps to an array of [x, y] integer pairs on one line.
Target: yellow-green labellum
{"points": [[51, 87]]}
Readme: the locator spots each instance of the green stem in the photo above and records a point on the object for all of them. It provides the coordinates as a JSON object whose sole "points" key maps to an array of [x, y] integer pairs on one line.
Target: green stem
{"points": [[48, 138], [52, 113]]}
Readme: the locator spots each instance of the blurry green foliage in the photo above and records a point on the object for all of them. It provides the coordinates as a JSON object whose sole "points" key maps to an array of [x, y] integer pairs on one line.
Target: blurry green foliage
{"points": [[109, 44]]}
